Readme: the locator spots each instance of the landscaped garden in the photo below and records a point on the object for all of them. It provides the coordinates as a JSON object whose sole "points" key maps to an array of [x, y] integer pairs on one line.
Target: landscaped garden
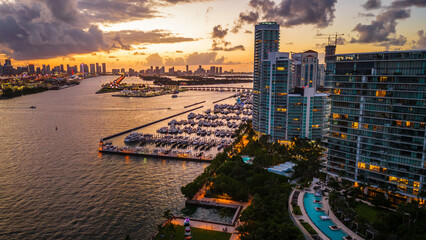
{"points": [[381, 218], [267, 216]]}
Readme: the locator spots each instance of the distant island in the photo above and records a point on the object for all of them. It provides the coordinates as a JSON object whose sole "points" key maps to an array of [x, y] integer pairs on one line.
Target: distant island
{"points": [[194, 80]]}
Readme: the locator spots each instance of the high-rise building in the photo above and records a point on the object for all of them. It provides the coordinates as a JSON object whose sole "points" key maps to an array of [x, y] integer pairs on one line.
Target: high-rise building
{"points": [[320, 75], [266, 40], [378, 116], [8, 62], [187, 69], [104, 70], [220, 70], [172, 70], [62, 68], [31, 69], [305, 69], [48, 69], [98, 68], [92, 68], [281, 111], [309, 69]]}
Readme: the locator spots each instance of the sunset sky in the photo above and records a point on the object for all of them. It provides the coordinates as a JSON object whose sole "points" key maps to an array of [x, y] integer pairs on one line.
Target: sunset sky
{"points": [[138, 34]]}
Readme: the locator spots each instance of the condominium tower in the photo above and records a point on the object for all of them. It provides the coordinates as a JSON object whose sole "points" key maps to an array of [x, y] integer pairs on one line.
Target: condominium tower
{"points": [[378, 115], [279, 110], [266, 39]]}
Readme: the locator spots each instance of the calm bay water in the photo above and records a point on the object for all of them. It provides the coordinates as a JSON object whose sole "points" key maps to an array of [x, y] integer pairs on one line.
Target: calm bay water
{"points": [[55, 185]]}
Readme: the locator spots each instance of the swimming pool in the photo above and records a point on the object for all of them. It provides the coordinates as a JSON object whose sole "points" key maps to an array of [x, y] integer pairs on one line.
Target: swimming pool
{"points": [[314, 215]]}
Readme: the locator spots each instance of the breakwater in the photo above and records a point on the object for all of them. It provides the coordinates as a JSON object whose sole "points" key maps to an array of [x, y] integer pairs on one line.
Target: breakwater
{"points": [[194, 104], [223, 99], [148, 124]]}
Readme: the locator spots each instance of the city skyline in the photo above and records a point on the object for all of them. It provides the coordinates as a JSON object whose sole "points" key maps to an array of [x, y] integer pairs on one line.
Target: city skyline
{"points": [[135, 34]]}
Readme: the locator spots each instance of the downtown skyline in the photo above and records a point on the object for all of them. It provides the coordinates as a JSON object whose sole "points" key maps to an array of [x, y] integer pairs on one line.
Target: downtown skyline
{"points": [[138, 34]]}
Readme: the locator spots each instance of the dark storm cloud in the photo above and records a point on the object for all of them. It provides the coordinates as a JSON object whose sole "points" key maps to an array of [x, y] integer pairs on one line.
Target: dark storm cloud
{"points": [[64, 10], [219, 32], [220, 44], [399, 41], [380, 29], [117, 11], [35, 41], [372, 4], [49, 28], [125, 38], [365, 15], [228, 49], [408, 3], [289, 13]]}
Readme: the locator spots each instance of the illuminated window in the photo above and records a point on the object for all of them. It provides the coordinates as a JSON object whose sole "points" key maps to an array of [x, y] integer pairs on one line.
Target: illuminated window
{"points": [[374, 168], [383, 79], [315, 110], [315, 126], [344, 136], [336, 115], [281, 94], [296, 119], [355, 125], [361, 165], [416, 184], [281, 109], [409, 124], [280, 68], [365, 126], [404, 181], [337, 91], [380, 93], [392, 179]]}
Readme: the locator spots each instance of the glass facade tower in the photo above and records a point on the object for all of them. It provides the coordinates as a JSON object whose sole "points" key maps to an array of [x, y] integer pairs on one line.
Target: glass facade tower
{"points": [[378, 115], [266, 40]]}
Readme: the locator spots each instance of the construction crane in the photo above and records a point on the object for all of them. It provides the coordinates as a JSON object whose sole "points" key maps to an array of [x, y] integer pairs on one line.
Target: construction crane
{"points": [[332, 38]]}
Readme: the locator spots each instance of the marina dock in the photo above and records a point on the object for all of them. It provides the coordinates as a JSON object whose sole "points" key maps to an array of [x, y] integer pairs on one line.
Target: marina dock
{"points": [[198, 138], [148, 124]]}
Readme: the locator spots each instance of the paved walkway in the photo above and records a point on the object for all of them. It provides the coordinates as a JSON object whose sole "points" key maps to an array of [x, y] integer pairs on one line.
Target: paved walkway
{"points": [[213, 226], [306, 218], [208, 226], [326, 207]]}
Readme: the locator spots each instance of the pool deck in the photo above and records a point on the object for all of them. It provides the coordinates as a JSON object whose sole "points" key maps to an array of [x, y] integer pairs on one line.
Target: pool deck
{"points": [[327, 209], [306, 218], [333, 217]]}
